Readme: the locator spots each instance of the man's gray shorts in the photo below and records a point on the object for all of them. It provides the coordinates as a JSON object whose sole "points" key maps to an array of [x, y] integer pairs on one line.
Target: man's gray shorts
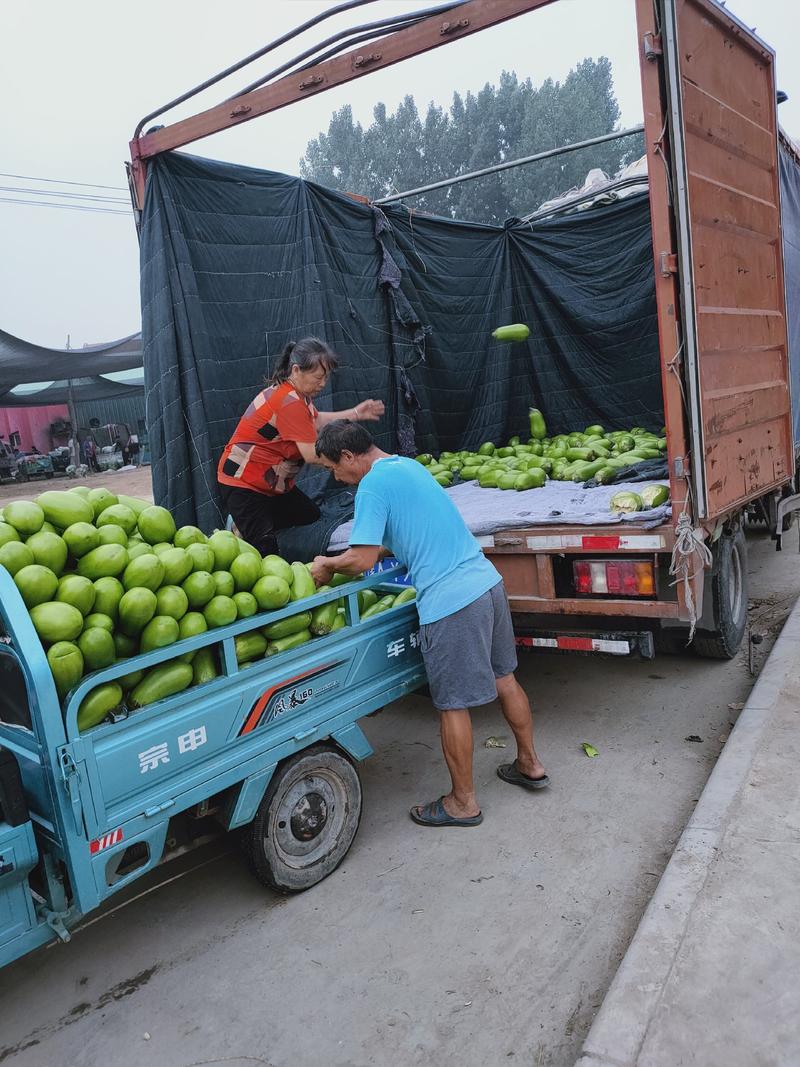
{"points": [[467, 651]]}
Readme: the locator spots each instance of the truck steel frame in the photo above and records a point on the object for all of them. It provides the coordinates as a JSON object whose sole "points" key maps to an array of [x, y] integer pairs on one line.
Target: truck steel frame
{"points": [[701, 420]]}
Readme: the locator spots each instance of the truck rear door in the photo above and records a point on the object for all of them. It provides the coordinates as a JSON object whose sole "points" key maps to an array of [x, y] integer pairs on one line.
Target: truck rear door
{"points": [[718, 97]]}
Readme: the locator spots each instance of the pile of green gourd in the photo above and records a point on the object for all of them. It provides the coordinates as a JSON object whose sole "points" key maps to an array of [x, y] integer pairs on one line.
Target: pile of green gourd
{"points": [[592, 454]]}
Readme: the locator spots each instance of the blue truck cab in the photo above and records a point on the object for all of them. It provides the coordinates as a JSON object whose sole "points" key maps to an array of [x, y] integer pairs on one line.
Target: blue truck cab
{"points": [[268, 749]]}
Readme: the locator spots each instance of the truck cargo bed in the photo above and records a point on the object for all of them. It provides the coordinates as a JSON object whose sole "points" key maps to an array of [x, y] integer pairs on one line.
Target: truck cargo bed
{"points": [[488, 511]]}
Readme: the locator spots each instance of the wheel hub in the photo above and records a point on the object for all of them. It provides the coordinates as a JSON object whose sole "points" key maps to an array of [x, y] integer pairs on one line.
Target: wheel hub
{"points": [[309, 816]]}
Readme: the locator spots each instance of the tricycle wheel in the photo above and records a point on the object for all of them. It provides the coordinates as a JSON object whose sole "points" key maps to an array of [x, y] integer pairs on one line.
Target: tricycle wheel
{"points": [[306, 821]]}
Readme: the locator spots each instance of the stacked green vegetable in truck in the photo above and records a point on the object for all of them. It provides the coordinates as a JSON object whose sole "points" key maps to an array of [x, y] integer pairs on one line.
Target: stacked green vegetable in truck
{"points": [[591, 456]]}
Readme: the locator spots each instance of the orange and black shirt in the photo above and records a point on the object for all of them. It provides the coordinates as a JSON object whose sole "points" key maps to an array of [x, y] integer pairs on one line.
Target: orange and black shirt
{"points": [[262, 455]]}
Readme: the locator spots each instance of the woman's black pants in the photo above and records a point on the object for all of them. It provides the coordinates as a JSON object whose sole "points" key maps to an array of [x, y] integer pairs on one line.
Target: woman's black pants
{"points": [[258, 517]]}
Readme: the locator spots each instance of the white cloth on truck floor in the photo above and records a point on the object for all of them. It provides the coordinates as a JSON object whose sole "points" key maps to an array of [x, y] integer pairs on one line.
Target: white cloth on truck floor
{"points": [[487, 511]]}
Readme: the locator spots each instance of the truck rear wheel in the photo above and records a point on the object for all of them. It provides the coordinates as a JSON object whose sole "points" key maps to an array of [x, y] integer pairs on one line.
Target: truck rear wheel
{"points": [[306, 821], [728, 593]]}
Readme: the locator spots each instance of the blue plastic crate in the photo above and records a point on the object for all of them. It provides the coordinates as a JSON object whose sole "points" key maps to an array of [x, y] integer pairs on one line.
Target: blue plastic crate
{"points": [[386, 565]]}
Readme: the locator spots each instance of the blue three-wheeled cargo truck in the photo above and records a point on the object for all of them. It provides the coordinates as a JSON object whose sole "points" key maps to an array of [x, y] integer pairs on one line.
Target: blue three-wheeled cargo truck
{"points": [[267, 749]]}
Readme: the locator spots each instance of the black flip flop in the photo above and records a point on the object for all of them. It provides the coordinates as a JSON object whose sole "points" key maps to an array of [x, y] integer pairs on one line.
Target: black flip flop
{"points": [[509, 773], [435, 814]]}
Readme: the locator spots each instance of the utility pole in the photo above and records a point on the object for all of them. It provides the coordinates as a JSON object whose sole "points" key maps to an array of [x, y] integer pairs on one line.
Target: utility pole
{"points": [[73, 418]]}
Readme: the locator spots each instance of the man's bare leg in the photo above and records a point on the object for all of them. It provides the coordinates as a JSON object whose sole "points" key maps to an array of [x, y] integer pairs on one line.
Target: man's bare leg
{"points": [[517, 712], [456, 732]]}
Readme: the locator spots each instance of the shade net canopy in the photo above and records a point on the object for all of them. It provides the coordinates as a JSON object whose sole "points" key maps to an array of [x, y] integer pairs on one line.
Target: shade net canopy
{"points": [[33, 376], [22, 362]]}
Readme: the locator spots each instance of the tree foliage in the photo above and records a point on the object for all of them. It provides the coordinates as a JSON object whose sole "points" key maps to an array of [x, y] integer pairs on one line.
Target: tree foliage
{"points": [[402, 150]]}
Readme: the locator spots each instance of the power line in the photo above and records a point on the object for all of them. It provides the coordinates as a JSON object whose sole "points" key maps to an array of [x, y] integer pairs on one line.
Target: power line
{"points": [[64, 207], [69, 196], [63, 181]]}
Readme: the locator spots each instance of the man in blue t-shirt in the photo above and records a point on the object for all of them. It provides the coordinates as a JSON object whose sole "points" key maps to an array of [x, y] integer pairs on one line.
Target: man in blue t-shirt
{"points": [[466, 635]]}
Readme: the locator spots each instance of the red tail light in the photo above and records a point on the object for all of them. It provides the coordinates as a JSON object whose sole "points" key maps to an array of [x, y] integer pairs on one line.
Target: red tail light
{"points": [[613, 577], [583, 577]]}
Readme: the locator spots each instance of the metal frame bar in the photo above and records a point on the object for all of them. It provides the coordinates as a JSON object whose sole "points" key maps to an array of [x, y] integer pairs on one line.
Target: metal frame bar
{"points": [[430, 33], [680, 207], [346, 6], [642, 609], [596, 194], [367, 31], [497, 167], [665, 282]]}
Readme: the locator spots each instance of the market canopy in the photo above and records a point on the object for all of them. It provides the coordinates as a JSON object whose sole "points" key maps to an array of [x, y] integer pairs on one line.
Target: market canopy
{"points": [[32, 375], [41, 394], [21, 361]]}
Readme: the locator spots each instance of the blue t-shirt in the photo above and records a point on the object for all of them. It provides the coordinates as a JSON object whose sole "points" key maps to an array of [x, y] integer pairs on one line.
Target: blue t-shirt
{"points": [[400, 506]]}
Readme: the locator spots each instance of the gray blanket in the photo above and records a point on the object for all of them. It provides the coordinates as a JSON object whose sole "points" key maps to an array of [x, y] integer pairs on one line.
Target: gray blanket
{"points": [[486, 511]]}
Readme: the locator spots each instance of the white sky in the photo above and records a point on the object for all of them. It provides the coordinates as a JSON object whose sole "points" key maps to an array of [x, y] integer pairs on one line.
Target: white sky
{"points": [[76, 77]]}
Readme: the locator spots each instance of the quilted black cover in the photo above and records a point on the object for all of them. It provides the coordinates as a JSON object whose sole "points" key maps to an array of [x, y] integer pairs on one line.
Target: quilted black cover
{"points": [[237, 261]]}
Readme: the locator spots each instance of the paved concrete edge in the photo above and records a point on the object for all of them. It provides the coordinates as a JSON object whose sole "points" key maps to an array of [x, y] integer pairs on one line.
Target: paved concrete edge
{"points": [[620, 1027]]}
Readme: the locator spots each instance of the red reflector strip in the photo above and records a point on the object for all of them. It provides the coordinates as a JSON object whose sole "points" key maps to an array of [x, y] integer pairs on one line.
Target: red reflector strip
{"points": [[106, 841], [599, 542], [577, 644], [604, 543]]}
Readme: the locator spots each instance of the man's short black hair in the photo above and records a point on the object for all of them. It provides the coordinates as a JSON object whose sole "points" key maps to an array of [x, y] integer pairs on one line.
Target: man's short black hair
{"points": [[343, 435]]}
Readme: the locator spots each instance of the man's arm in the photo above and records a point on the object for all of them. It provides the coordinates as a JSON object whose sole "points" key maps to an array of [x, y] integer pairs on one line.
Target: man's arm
{"points": [[369, 530], [354, 561]]}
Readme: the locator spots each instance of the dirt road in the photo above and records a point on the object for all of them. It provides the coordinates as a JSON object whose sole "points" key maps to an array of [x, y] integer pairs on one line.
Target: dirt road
{"points": [[134, 482], [483, 946]]}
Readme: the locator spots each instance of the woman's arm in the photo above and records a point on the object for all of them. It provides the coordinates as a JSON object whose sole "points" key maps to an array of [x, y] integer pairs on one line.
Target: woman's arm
{"points": [[364, 411], [308, 451]]}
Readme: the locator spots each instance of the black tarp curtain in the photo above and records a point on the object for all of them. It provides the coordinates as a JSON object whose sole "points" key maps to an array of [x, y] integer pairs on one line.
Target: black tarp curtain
{"points": [[238, 261]]}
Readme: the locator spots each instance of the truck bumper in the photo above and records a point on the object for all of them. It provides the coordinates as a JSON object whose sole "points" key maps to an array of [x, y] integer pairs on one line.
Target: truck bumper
{"points": [[604, 643]]}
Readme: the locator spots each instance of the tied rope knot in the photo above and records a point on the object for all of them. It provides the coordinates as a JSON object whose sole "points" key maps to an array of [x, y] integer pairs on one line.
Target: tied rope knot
{"points": [[689, 546]]}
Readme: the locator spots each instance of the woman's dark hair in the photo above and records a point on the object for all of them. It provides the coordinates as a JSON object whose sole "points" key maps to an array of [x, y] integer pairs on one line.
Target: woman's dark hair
{"points": [[308, 353], [343, 435]]}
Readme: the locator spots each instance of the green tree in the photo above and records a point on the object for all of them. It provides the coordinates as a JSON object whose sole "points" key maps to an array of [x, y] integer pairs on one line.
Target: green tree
{"points": [[337, 159], [394, 148], [401, 150], [584, 106]]}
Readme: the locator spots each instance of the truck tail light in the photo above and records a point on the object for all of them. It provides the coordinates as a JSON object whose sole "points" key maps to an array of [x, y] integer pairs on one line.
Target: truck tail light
{"points": [[614, 577]]}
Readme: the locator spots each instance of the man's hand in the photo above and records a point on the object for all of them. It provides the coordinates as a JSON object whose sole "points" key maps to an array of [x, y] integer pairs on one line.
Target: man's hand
{"points": [[355, 561], [321, 570]]}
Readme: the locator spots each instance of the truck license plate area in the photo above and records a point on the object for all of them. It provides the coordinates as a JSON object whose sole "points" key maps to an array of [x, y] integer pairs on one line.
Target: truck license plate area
{"points": [[609, 644]]}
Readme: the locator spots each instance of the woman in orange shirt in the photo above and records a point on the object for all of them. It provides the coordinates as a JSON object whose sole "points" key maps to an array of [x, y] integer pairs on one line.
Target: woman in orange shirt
{"points": [[274, 438]]}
